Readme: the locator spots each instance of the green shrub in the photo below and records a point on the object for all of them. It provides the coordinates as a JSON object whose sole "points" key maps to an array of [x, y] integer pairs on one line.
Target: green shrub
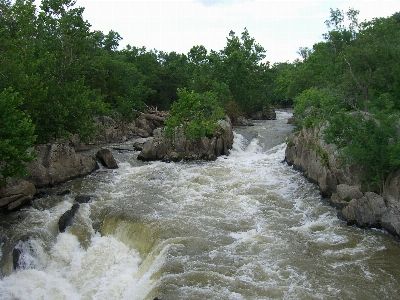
{"points": [[196, 113], [369, 141]]}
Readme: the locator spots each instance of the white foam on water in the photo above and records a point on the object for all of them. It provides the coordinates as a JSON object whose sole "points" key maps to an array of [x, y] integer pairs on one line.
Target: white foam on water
{"points": [[245, 226], [108, 269]]}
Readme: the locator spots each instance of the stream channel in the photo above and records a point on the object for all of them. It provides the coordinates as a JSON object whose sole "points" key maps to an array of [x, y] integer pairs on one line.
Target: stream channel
{"points": [[246, 226]]}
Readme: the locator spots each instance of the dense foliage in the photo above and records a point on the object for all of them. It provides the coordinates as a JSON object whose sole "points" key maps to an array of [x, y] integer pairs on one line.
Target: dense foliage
{"points": [[350, 83], [56, 75], [16, 136], [61, 74], [196, 114]]}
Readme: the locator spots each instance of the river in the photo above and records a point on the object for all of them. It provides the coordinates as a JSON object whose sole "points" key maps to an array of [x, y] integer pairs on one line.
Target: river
{"points": [[246, 226]]}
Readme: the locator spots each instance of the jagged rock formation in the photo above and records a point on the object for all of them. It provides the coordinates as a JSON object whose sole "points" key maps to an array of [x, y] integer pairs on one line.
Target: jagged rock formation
{"points": [[17, 194], [178, 148], [341, 184], [57, 163], [60, 161], [309, 153]]}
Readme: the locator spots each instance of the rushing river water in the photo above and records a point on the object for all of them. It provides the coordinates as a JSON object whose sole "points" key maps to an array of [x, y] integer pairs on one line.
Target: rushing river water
{"points": [[246, 226]]}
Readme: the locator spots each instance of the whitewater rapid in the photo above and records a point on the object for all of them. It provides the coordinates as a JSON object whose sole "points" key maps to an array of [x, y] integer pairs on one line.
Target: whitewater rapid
{"points": [[246, 226]]}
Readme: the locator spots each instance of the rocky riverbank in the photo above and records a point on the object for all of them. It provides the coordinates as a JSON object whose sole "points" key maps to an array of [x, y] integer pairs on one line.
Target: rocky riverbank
{"points": [[318, 161], [63, 160]]}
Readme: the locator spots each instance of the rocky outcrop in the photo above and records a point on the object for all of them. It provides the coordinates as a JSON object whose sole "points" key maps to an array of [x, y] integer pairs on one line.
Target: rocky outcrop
{"points": [[178, 148], [17, 193], [242, 121], [391, 194], [58, 163], [266, 114], [112, 131], [341, 184], [291, 120], [307, 152], [106, 159], [366, 211]]}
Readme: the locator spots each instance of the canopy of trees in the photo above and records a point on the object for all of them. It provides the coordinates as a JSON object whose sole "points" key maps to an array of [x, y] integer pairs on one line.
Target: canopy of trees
{"points": [[56, 75], [350, 84]]}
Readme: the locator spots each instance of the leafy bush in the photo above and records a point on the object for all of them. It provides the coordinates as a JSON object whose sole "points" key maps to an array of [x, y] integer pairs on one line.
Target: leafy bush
{"points": [[196, 113], [16, 136], [369, 141], [313, 105]]}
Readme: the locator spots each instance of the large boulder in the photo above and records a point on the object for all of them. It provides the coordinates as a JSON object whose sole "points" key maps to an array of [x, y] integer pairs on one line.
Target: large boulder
{"points": [[106, 159], [179, 147], [344, 194], [145, 125], [17, 194], [58, 163], [366, 211], [111, 131], [242, 121]]}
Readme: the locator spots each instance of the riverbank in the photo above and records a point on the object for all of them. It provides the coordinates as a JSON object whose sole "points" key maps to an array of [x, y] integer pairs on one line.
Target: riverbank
{"points": [[342, 185], [245, 226]]}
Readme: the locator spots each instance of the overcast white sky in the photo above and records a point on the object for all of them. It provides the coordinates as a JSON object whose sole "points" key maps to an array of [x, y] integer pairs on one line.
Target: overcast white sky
{"points": [[281, 27]]}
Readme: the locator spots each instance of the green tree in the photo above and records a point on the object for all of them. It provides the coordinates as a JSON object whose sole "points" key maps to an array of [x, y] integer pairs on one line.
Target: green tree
{"points": [[350, 83], [16, 136], [196, 114], [244, 72], [64, 48]]}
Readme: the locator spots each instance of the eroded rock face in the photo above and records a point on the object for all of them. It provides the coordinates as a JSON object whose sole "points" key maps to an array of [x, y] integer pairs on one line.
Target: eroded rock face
{"points": [[391, 221], [178, 148], [341, 184], [366, 211], [17, 194], [309, 153], [58, 163]]}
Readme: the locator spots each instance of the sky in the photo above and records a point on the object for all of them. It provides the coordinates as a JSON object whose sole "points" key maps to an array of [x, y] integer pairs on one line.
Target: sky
{"points": [[281, 27]]}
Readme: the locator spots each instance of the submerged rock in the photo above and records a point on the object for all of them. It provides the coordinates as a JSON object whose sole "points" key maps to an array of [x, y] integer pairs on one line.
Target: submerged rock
{"points": [[67, 218], [17, 251], [63, 193], [84, 198]]}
